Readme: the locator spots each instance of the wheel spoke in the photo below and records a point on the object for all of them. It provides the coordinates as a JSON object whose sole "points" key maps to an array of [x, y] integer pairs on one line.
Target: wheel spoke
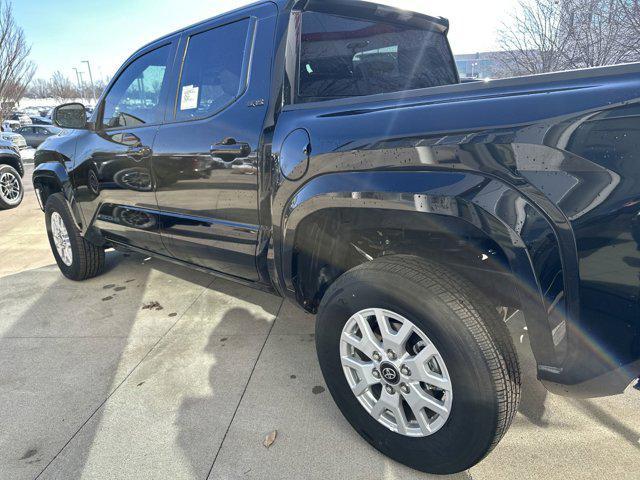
{"points": [[368, 343], [393, 404], [436, 380], [401, 420], [423, 421], [391, 339], [418, 399], [61, 239], [418, 364], [364, 370]]}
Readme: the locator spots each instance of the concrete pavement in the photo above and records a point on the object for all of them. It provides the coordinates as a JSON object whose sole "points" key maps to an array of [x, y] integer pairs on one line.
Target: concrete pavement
{"points": [[92, 385]]}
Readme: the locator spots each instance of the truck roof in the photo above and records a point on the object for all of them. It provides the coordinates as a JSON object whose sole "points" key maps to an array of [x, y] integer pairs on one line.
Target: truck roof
{"points": [[289, 4]]}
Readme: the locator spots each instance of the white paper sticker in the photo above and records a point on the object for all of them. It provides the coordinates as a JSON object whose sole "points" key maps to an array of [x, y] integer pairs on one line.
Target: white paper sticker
{"points": [[189, 97]]}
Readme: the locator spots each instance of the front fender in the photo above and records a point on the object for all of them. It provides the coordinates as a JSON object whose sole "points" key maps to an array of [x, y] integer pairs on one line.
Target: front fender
{"points": [[52, 177], [527, 237]]}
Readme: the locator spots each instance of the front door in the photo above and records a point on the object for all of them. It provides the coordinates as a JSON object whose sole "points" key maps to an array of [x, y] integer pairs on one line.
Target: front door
{"points": [[206, 153], [114, 184]]}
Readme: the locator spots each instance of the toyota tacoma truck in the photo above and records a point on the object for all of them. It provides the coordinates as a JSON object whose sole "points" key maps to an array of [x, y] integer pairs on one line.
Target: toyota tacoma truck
{"points": [[327, 151]]}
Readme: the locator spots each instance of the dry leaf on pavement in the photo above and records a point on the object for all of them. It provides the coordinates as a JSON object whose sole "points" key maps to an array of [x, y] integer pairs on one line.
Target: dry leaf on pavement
{"points": [[269, 439]]}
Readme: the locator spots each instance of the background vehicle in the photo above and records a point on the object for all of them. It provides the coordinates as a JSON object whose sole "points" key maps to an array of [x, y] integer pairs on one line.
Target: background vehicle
{"points": [[15, 138], [36, 134], [10, 125], [21, 117], [411, 212], [11, 173], [40, 121]]}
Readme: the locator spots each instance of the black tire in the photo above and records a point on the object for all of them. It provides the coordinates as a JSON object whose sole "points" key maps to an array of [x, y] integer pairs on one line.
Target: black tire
{"points": [[10, 173], [88, 260], [465, 328]]}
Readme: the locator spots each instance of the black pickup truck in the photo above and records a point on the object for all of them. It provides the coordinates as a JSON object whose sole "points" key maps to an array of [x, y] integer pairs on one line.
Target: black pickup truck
{"points": [[327, 151]]}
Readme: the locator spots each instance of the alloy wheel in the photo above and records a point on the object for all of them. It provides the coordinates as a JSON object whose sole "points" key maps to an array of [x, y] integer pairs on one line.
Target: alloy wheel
{"points": [[396, 372], [9, 188], [61, 239]]}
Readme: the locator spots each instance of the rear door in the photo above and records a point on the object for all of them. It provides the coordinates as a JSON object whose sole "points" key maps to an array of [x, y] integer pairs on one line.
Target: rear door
{"points": [[206, 154]]}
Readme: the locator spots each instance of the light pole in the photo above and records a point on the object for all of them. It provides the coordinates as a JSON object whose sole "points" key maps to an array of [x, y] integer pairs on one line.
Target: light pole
{"points": [[93, 86], [82, 85], [78, 78]]}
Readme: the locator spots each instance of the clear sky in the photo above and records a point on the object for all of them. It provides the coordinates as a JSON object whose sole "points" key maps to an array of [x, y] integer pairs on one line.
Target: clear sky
{"points": [[106, 32]]}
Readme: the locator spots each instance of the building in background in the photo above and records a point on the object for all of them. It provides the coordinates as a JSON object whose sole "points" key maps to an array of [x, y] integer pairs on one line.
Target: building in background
{"points": [[478, 65]]}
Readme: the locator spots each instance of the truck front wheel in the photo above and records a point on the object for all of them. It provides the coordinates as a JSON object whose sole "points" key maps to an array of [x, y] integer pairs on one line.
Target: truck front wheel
{"points": [[77, 258], [418, 362]]}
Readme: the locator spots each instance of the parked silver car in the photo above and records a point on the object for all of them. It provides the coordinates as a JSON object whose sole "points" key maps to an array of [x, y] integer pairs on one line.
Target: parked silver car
{"points": [[36, 134]]}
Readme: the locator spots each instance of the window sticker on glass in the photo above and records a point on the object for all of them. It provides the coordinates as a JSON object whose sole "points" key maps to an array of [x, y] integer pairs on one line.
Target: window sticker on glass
{"points": [[189, 97]]}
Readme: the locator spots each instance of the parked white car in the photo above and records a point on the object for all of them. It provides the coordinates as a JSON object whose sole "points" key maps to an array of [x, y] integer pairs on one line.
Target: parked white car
{"points": [[16, 139], [10, 125]]}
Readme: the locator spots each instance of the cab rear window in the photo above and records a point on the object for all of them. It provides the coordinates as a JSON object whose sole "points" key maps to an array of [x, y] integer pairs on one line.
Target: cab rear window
{"points": [[346, 57]]}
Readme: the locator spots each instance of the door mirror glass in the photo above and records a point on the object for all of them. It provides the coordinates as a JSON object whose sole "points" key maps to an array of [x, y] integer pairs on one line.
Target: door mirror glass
{"points": [[70, 115]]}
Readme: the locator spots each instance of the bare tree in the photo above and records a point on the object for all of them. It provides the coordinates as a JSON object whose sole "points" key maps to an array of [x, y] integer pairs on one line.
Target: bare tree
{"points": [[551, 35], [631, 9], [39, 88], [16, 71], [598, 33], [533, 39], [61, 88]]}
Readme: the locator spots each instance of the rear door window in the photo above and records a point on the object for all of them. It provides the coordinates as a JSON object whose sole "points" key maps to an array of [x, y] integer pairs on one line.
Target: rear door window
{"points": [[213, 74], [346, 57]]}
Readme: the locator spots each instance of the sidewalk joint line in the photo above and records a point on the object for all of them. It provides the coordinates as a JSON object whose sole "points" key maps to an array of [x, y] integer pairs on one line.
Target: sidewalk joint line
{"points": [[246, 386]]}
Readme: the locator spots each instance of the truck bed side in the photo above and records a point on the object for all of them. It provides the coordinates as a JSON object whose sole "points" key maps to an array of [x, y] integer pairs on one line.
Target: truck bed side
{"points": [[549, 163]]}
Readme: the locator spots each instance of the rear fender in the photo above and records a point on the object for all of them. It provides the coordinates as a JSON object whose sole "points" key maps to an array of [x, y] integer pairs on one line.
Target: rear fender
{"points": [[502, 213]]}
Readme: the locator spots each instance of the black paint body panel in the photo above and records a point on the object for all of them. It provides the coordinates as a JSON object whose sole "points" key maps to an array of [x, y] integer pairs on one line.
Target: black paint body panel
{"points": [[548, 167]]}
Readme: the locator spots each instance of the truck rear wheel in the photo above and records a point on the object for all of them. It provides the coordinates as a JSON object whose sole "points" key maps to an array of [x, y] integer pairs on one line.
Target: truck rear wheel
{"points": [[77, 258], [418, 362]]}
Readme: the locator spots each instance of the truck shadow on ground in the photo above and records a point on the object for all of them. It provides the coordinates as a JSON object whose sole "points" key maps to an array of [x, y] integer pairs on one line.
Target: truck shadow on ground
{"points": [[295, 392], [61, 352], [64, 349]]}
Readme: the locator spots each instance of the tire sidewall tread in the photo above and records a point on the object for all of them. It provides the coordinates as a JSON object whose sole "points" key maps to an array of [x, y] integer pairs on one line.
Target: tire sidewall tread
{"points": [[485, 387], [88, 259]]}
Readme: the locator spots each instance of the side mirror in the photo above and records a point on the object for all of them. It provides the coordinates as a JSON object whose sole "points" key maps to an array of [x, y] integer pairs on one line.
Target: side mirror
{"points": [[71, 116]]}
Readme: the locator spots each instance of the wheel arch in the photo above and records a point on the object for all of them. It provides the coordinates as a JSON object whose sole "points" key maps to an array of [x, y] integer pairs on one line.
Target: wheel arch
{"points": [[52, 177], [13, 161], [488, 214]]}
